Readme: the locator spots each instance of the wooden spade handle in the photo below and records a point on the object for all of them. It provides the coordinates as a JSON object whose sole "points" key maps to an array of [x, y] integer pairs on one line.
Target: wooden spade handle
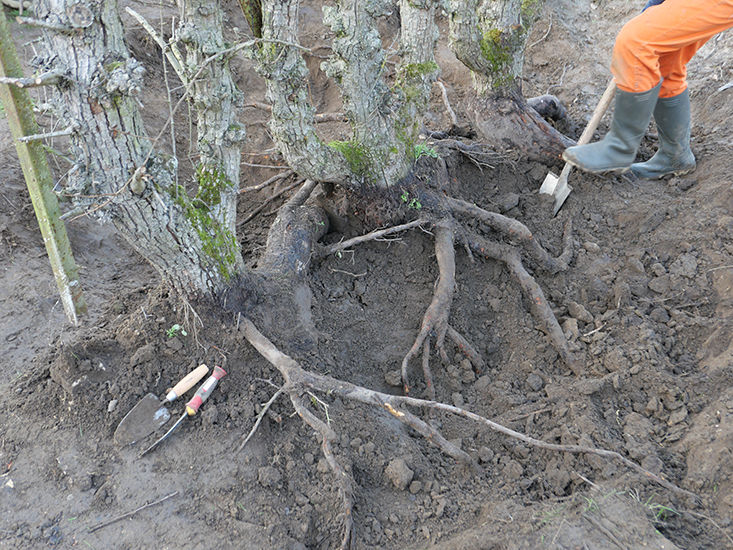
{"points": [[187, 383], [603, 104]]}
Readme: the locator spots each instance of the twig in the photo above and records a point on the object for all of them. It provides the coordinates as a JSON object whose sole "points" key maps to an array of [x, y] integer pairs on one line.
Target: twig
{"points": [[341, 246], [260, 417], [32, 22], [268, 201], [46, 79], [264, 184], [49, 135], [169, 50], [129, 514], [444, 95]]}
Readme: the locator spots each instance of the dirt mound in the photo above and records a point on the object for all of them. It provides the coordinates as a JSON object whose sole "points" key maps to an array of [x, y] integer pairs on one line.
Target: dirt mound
{"points": [[646, 303]]}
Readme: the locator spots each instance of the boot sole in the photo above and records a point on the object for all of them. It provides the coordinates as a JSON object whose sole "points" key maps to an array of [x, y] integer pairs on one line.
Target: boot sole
{"points": [[674, 174], [614, 171]]}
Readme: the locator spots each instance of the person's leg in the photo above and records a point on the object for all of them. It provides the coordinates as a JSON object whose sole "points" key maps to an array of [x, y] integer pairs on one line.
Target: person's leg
{"points": [[660, 42], [649, 60], [674, 156]]}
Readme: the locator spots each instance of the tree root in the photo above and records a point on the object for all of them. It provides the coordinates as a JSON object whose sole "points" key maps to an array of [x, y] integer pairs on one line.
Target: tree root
{"points": [[299, 382], [347, 490], [517, 231], [435, 320]]}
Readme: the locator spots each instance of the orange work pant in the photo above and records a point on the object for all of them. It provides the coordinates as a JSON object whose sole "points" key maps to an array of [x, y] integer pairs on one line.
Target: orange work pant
{"points": [[657, 44]]}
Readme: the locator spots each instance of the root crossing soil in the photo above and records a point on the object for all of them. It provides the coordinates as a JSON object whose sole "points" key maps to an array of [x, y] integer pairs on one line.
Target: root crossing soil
{"points": [[646, 305]]}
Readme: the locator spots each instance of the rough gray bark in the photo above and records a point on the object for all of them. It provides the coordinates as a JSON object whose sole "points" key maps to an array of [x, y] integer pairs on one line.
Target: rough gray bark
{"points": [[217, 100], [385, 119], [118, 176], [489, 36]]}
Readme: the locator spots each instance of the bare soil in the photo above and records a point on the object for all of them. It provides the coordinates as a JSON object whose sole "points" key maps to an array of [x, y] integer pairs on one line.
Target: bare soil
{"points": [[647, 303]]}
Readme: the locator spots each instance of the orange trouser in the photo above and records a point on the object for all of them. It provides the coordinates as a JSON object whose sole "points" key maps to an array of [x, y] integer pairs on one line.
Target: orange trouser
{"points": [[657, 44]]}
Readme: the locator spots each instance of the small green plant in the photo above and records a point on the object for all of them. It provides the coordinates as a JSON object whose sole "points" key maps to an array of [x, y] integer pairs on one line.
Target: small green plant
{"points": [[413, 203], [591, 505], [548, 516], [422, 150], [175, 330], [662, 512]]}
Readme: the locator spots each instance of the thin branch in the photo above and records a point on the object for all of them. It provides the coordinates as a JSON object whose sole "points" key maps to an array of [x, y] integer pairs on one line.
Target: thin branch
{"points": [[50, 78], [268, 201], [130, 514], [32, 22], [39, 137], [170, 50]]}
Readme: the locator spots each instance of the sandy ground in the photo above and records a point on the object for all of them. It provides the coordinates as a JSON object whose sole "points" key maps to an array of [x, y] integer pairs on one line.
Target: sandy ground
{"points": [[647, 303]]}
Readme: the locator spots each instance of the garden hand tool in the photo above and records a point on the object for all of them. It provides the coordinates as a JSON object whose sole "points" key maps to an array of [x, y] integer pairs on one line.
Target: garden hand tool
{"points": [[192, 407], [150, 414], [558, 186]]}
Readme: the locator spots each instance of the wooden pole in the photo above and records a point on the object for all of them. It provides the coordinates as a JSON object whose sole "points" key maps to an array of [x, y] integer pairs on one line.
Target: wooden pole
{"points": [[17, 104]]}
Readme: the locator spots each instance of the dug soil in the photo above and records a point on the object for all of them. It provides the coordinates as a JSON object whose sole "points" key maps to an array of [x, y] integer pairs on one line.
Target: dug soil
{"points": [[647, 304]]}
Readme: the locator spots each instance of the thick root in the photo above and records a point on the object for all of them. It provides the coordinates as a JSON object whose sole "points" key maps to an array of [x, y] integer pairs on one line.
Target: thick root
{"points": [[435, 320]]}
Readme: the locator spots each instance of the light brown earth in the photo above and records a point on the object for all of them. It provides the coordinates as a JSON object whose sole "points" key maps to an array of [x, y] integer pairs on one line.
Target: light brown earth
{"points": [[647, 303]]}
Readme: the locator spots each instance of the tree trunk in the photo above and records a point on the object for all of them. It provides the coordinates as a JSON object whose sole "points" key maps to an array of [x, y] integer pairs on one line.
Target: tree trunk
{"points": [[217, 100], [385, 120], [118, 176], [489, 37]]}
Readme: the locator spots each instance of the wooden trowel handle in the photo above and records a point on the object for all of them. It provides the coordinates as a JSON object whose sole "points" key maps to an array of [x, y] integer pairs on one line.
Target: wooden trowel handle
{"points": [[187, 383]]}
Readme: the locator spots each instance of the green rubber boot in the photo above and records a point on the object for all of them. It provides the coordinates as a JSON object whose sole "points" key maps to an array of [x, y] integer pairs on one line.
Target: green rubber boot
{"points": [[672, 115], [617, 150]]}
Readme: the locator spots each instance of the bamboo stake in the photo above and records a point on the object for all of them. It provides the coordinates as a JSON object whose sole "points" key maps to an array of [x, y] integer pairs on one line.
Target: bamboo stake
{"points": [[38, 178]]}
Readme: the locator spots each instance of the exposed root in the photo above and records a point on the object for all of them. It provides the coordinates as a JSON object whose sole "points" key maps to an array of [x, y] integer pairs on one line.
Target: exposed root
{"points": [[480, 155], [273, 179], [435, 320], [540, 308], [298, 381], [347, 490], [448, 109], [260, 416], [517, 231], [468, 350], [374, 235]]}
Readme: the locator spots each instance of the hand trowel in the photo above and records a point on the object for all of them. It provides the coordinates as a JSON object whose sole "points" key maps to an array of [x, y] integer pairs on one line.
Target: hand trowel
{"points": [[150, 414]]}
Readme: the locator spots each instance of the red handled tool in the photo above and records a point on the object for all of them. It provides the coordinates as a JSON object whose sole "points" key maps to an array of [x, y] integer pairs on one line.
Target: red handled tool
{"points": [[150, 414], [192, 407]]}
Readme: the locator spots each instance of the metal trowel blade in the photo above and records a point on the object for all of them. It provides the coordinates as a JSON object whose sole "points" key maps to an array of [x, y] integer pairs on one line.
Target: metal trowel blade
{"points": [[144, 418]]}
